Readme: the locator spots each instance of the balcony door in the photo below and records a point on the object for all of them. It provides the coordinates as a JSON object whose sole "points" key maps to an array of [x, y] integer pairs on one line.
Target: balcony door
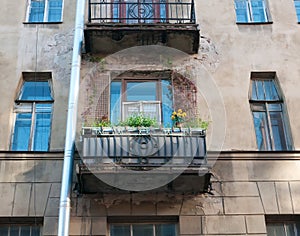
{"points": [[152, 98], [140, 11]]}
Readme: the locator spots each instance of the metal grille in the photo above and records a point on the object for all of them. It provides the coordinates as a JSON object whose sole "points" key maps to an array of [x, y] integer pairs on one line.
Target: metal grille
{"points": [[144, 148], [141, 11]]}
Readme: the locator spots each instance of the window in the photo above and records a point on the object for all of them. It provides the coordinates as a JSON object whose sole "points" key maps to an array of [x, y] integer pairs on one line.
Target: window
{"points": [[297, 6], [283, 225], [268, 111], [248, 11], [21, 226], [33, 110], [151, 97], [166, 229], [45, 11], [20, 230], [140, 11]]}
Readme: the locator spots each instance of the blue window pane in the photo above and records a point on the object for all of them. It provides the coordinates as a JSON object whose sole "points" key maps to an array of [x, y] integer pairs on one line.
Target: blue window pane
{"points": [[278, 131], [36, 91], [25, 230], [35, 231], [297, 6], [167, 103], [241, 10], [145, 230], [270, 90], [14, 231], [141, 91], [165, 230], [120, 230], [115, 102], [37, 9], [275, 229], [55, 10], [261, 131], [42, 127], [3, 230], [163, 10], [22, 132], [258, 11], [260, 90]]}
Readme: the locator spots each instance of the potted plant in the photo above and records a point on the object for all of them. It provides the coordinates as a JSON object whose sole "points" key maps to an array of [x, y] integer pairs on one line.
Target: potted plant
{"points": [[140, 122]]}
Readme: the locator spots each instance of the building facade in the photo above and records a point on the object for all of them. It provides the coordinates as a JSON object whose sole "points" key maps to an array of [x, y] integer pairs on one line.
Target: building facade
{"points": [[232, 63]]}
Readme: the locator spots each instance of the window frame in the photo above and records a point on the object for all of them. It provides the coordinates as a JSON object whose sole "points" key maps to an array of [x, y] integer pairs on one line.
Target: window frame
{"points": [[249, 11], [159, 96], [143, 220], [22, 221], [29, 106], [283, 220], [46, 14], [268, 135]]}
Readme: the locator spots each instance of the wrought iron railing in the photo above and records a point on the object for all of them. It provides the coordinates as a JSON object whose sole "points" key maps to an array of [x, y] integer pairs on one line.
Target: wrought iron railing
{"points": [[141, 11], [143, 147]]}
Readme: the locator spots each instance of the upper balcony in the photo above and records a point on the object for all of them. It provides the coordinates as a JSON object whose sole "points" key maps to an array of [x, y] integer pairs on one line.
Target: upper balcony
{"points": [[114, 25]]}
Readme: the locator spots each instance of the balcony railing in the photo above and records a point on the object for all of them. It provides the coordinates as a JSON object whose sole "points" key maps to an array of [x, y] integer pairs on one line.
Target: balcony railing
{"points": [[141, 11], [144, 148]]}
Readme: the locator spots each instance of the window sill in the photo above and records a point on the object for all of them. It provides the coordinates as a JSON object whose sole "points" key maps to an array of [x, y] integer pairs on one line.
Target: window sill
{"points": [[42, 23], [255, 23]]}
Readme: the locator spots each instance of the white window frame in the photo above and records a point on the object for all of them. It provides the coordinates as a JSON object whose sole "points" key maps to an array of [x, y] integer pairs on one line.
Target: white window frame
{"points": [[140, 105], [46, 10], [150, 223], [250, 12]]}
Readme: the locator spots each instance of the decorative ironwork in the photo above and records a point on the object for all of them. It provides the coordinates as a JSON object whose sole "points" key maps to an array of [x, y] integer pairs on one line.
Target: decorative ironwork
{"points": [[141, 11]]}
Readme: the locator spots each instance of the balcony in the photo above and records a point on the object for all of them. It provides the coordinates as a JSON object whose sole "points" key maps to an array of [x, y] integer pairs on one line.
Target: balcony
{"points": [[114, 25], [179, 155]]}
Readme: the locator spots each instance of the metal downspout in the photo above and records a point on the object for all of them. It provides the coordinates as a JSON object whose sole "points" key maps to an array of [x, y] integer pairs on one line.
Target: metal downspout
{"points": [[65, 194]]}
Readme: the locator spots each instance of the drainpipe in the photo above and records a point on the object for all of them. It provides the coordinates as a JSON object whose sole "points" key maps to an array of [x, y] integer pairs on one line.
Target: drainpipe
{"points": [[65, 194]]}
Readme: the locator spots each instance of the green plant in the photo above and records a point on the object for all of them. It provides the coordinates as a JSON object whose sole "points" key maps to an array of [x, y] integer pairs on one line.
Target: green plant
{"points": [[101, 122], [197, 122], [139, 120]]}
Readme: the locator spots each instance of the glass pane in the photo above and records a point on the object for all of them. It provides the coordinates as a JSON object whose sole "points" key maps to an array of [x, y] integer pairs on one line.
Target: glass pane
{"points": [[37, 11], [36, 91], [120, 230], [42, 127], [298, 228], [297, 6], [258, 11], [278, 131], [261, 131], [275, 230], [22, 132], [115, 102], [290, 230], [167, 102], [163, 11], [270, 90], [142, 230], [35, 231], [241, 10], [25, 231], [3, 230], [14, 230], [55, 10], [165, 230], [141, 91]]}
